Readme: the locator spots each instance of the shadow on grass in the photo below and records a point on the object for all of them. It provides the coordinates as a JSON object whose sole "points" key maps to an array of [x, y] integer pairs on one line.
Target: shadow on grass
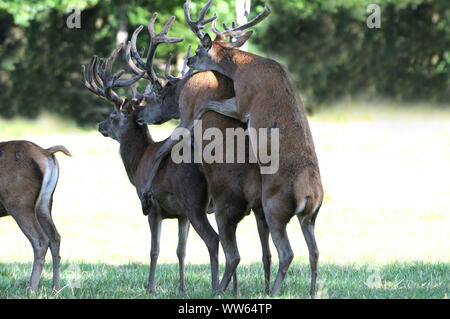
{"points": [[89, 280]]}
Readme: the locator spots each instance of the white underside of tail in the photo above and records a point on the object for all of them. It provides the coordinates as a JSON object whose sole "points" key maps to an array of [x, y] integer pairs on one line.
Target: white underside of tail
{"points": [[48, 186], [301, 206]]}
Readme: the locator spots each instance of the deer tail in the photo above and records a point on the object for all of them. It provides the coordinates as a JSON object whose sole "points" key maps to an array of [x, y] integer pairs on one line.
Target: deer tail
{"points": [[58, 148]]}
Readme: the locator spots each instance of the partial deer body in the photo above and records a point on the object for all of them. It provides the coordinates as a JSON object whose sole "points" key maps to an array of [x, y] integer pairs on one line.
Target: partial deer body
{"points": [[28, 178], [266, 98], [174, 196], [179, 191], [235, 188]]}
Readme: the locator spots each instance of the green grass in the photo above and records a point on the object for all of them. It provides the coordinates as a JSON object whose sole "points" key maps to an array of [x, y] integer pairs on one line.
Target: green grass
{"points": [[383, 230], [84, 280]]}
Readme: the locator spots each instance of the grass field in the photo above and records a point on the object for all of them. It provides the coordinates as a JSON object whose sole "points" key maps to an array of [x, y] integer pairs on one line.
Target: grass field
{"points": [[383, 230]]}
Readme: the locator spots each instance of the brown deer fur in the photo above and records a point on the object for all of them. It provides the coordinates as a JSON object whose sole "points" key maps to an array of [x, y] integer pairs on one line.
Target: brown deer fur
{"points": [[28, 178]]}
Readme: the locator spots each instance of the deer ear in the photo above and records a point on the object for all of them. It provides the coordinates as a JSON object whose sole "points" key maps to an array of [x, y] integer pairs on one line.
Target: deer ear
{"points": [[128, 108], [173, 80], [240, 41], [207, 42]]}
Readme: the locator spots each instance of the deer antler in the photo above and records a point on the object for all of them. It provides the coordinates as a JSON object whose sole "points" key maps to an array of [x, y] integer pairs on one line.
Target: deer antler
{"points": [[197, 26], [185, 71], [237, 30], [106, 79], [155, 40]]}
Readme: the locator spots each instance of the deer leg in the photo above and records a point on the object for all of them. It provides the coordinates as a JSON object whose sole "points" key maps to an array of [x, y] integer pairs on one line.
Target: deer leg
{"points": [[211, 239], [45, 220], [183, 231], [226, 107], [307, 225], [43, 213], [154, 220], [236, 291], [29, 225], [227, 236], [263, 231], [278, 232]]}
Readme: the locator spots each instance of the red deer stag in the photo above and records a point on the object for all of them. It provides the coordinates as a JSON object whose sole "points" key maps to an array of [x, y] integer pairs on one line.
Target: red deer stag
{"points": [[266, 98], [174, 194], [28, 178], [235, 188]]}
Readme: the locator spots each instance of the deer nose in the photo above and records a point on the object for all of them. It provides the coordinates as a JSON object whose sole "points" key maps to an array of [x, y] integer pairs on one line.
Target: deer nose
{"points": [[102, 130]]}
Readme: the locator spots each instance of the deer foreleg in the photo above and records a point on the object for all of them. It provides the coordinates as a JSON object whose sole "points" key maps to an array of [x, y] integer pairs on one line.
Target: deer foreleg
{"points": [[226, 107]]}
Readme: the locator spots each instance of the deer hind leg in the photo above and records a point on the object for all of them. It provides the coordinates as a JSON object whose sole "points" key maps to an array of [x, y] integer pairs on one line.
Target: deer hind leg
{"points": [[25, 218], [154, 221], [227, 236], [211, 239], [183, 231], [307, 225], [43, 210], [278, 213], [236, 291], [263, 231]]}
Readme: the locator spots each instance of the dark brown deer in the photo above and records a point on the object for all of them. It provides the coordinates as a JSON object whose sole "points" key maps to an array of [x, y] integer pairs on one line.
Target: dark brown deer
{"points": [[28, 178], [180, 190], [266, 98], [235, 188]]}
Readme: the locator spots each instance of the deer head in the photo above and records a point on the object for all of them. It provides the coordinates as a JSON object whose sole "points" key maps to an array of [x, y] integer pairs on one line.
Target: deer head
{"points": [[209, 52], [101, 81], [162, 104]]}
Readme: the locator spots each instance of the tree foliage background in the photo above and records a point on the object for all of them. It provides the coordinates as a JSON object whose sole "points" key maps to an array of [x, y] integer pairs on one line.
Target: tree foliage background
{"points": [[325, 45]]}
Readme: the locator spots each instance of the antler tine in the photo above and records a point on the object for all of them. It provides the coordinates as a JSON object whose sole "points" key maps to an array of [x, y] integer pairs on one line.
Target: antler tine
{"points": [[132, 49], [88, 80], [92, 74], [198, 25], [157, 39], [108, 79], [236, 30], [161, 37], [167, 70], [136, 55], [205, 9], [135, 93], [131, 64], [184, 71], [98, 70], [110, 61], [89, 73], [214, 28]]}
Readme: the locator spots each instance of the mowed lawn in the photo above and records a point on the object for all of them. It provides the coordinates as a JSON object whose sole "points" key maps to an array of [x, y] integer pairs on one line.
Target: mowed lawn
{"points": [[383, 230]]}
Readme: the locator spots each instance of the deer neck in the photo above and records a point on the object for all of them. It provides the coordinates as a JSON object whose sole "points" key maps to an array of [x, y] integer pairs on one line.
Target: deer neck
{"points": [[134, 140], [229, 61]]}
